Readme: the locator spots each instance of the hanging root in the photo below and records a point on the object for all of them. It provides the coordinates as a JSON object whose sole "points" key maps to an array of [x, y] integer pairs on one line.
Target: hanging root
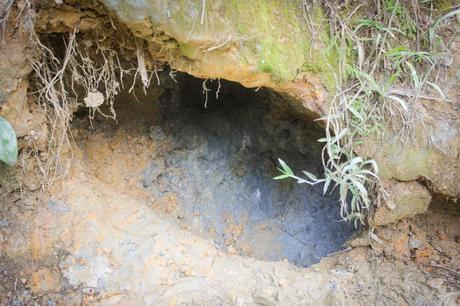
{"points": [[205, 92], [53, 95], [89, 74], [141, 68]]}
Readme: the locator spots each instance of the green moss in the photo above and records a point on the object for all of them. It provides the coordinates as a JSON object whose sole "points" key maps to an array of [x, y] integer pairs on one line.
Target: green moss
{"points": [[323, 60], [187, 50], [444, 4], [272, 34], [276, 27]]}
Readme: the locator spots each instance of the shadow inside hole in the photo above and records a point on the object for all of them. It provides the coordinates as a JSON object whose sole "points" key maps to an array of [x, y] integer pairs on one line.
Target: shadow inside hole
{"points": [[220, 164]]}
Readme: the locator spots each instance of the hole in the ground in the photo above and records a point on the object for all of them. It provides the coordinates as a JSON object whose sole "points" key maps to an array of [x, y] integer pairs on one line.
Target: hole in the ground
{"points": [[212, 168]]}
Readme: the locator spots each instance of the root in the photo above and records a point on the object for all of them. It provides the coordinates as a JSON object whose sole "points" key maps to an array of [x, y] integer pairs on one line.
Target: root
{"points": [[53, 95], [141, 69], [205, 92], [89, 74]]}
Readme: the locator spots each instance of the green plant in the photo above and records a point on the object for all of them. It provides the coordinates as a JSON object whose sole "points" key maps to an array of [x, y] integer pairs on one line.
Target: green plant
{"points": [[350, 177], [393, 7], [401, 54], [8, 143], [382, 72], [437, 24]]}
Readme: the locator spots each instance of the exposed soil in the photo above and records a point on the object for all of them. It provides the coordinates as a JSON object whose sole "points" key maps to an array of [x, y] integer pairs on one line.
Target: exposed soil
{"points": [[211, 169], [174, 203], [162, 207], [218, 163]]}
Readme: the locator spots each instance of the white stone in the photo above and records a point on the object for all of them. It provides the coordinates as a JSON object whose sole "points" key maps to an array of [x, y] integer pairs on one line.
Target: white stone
{"points": [[94, 99]]}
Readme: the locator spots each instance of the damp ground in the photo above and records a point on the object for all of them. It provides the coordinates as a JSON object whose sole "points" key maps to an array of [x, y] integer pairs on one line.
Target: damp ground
{"points": [[175, 203], [212, 165]]}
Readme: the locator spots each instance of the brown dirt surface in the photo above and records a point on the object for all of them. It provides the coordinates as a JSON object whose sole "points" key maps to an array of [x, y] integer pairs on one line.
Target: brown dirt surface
{"points": [[98, 237]]}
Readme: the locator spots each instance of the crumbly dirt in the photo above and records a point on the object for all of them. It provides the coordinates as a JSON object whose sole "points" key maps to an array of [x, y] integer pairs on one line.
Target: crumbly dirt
{"points": [[99, 237], [219, 162], [210, 169], [102, 235], [99, 243]]}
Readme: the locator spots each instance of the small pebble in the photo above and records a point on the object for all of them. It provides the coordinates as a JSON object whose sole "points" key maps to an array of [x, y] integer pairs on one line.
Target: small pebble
{"points": [[442, 235], [414, 244], [156, 133], [435, 283], [283, 283]]}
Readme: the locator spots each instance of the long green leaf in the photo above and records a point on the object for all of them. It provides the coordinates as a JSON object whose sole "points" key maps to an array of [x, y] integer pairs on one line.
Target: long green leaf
{"points": [[435, 26], [285, 167]]}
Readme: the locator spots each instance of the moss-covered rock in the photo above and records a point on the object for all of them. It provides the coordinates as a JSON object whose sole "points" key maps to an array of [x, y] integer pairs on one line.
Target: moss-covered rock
{"points": [[257, 43], [437, 161], [433, 152], [405, 199]]}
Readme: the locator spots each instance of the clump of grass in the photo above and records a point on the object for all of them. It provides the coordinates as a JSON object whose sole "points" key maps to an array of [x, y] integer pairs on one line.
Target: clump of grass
{"points": [[350, 177], [387, 63]]}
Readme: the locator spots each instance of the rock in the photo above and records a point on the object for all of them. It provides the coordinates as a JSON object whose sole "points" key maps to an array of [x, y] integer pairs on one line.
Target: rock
{"points": [[14, 70], [433, 149], [213, 45], [362, 240], [283, 283], [154, 191], [405, 199], [435, 283], [414, 243], [16, 247], [455, 261], [266, 296], [446, 247], [156, 133], [151, 173], [44, 280], [16, 110], [58, 207], [31, 182], [16, 105], [399, 247], [58, 20], [424, 255], [442, 234]]}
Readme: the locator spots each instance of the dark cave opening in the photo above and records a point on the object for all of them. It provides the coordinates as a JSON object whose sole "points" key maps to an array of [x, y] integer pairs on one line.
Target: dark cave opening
{"points": [[218, 155]]}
